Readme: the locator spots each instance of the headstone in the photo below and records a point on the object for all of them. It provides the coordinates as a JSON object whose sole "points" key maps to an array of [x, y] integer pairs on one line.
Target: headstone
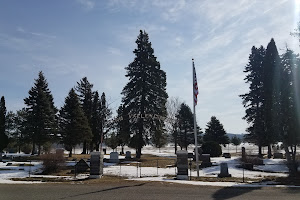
{"points": [[9, 164], [81, 166], [205, 158], [199, 153], [224, 171], [114, 157], [278, 156], [243, 154], [182, 165], [226, 155], [96, 165], [128, 155]]}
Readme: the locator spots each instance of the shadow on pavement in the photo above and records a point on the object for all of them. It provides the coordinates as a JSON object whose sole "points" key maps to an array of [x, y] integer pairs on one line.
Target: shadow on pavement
{"points": [[230, 192], [104, 190]]}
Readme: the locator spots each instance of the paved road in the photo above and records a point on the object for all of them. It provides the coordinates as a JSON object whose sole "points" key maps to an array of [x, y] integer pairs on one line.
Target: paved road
{"points": [[141, 190]]}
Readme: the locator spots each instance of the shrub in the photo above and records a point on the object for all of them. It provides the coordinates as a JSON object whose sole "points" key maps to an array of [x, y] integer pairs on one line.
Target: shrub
{"points": [[26, 148], [212, 148], [52, 162]]}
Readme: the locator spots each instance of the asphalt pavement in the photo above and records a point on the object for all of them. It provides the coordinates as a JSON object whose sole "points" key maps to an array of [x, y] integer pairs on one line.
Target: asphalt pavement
{"points": [[135, 190]]}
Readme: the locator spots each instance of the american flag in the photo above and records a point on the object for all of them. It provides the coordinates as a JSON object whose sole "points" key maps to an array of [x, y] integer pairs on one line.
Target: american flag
{"points": [[195, 86]]}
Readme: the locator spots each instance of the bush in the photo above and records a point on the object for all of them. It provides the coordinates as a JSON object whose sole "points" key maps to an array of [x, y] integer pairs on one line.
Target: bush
{"points": [[212, 148], [52, 162]]}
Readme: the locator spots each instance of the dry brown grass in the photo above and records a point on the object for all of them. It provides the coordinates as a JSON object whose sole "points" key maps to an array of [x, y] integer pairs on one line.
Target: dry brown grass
{"points": [[148, 160]]}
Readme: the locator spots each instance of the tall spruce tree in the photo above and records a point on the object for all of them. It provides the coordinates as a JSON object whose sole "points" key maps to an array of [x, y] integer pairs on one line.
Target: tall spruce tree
{"points": [[41, 122], [96, 122], [145, 93], [106, 113], [271, 99], [253, 100], [123, 127], [73, 123], [185, 125], [215, 132], [3, 136], [84, 89], [290, 108]]}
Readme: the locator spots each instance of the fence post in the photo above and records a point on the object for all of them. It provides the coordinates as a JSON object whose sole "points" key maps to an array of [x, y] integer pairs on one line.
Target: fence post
{"points": [[137, 169], [157, 166], [243, 173], [140, 170]]}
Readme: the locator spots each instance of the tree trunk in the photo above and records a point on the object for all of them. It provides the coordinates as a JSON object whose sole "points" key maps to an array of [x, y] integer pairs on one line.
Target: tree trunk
{"points": [[175, 146], [138, 152], [290, 162], [259, 151], [122, 149], [33, 149], [269, 151], [84, 148], [0, 156], [39, 150]]}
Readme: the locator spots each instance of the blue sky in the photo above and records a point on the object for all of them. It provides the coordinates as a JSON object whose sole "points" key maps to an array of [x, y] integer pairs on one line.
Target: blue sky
{"points": [[71, 39]]}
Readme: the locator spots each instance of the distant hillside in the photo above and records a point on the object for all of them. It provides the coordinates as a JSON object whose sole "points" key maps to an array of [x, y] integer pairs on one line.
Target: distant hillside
{"points": [[231, 135]]}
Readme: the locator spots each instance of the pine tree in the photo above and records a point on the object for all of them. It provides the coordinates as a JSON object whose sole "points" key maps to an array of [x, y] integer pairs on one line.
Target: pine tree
{"points": [[145, 94], [73, 123], [290, 126], [123, 127], [271, 99], [3, 136], [107, 125], [41, 122], [96, 121], [185, 125], [253, 100], [84, 88], [215, 132]]}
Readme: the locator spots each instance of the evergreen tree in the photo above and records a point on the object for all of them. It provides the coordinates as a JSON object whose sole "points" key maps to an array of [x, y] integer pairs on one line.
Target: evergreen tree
{"points": [[19, 134], [41, 120], [96, 121], [123, 127], [290, 118], [185, 120], [73, 123], [84, 88], [215, 132], [112, 141], [3, 136], [107, 125], [271, 98], [145, 94], [253, 100]]}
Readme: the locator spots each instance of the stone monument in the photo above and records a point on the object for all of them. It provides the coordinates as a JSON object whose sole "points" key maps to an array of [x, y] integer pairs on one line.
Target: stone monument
{"points": [[224, 171], [205, 158], [128, 155], [114, 157], [81, 166], [243, 154], [96, 164], [182, 165]]}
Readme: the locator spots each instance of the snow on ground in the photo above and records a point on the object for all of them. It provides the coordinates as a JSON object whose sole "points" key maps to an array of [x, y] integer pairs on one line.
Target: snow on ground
{"points": [[158, 174]]}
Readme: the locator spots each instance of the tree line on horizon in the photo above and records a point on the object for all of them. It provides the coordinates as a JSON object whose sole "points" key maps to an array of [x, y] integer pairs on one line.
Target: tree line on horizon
{"points": [[85, 118]]}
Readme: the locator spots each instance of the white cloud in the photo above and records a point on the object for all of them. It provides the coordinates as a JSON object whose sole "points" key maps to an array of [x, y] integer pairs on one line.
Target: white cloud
{"points": [[87, 4]]}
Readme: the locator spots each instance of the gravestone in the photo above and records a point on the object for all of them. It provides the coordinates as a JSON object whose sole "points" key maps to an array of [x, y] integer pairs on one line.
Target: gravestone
{"points": [[81, 166], [182, 165], [224, 171], [243, 154], [96, 165], [128, 155], [205, 158], [278, 156], [114, 157], [199, 153]]}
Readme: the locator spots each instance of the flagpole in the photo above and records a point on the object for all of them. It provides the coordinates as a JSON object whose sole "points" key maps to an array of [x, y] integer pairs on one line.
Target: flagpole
{"points": [[195, 126]]}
